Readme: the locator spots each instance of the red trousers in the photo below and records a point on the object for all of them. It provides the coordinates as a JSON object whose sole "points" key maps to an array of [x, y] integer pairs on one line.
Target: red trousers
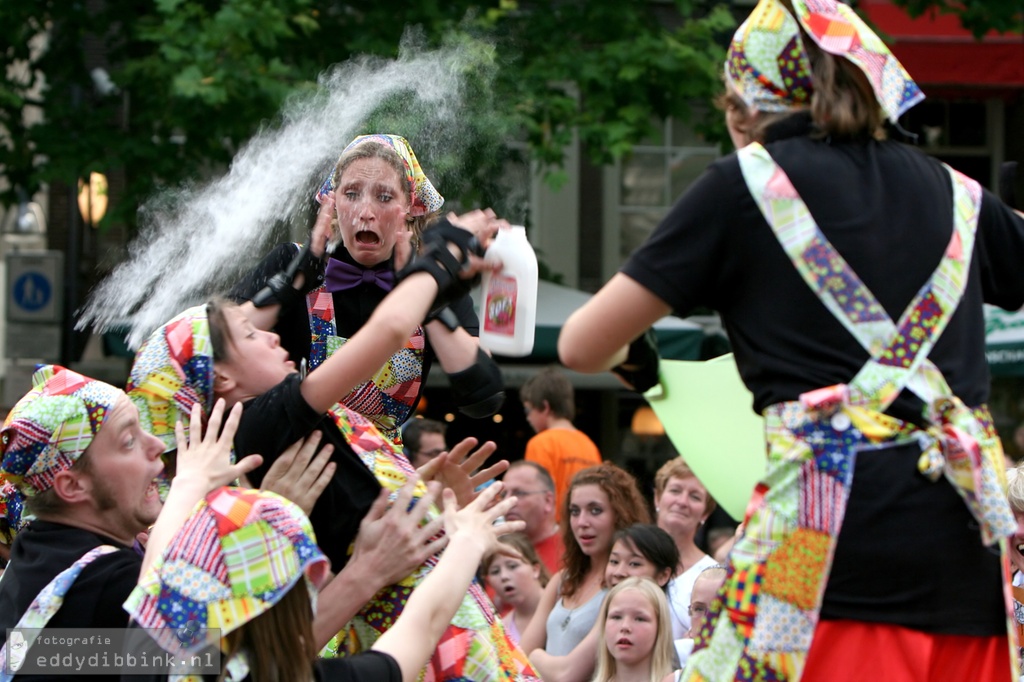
{"points": [[852, 651]]}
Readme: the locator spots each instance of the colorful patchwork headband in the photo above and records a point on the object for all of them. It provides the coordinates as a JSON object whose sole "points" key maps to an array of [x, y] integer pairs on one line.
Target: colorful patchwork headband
{"points": [[173, 371], [11, 509], [768, 65], [52, 425], [237, 555], [425, 198]]}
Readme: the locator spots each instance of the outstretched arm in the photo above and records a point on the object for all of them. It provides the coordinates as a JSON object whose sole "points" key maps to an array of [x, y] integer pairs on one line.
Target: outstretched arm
{"points": [[536, 635], [389, 326], [588, 343], [472, 533], [203, 464], [392, 543]]}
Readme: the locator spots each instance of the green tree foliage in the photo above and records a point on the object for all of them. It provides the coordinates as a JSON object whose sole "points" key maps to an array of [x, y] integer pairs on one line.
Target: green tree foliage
{"points": [[977, 16], [197, 78]]}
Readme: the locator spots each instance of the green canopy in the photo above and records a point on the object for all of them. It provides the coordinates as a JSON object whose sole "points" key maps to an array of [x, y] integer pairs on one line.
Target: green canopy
{"points": [[1004, 341]]}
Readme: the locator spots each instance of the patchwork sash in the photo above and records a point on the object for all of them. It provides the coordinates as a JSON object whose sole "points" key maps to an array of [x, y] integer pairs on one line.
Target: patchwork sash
{"points": [[44, 607], [475, 646], [779, 568]]}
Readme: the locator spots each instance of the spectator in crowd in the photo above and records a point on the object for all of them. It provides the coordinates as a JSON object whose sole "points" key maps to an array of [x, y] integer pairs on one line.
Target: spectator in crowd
{"points": [[517, 576], [534, 490], [549, 401], [424, 440]]}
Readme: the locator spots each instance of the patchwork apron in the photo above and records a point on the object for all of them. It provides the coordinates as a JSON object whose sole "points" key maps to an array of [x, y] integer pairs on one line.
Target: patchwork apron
{"points": [[778, 570], [475, 646], [389, 397]]}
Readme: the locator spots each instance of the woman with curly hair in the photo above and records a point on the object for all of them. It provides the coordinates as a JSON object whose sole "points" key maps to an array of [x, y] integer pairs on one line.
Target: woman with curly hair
{"points": [[602, 500]]}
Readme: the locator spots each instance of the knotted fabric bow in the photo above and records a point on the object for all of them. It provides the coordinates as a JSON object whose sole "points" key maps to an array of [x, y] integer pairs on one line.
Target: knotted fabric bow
{"points": [[341, 275]]}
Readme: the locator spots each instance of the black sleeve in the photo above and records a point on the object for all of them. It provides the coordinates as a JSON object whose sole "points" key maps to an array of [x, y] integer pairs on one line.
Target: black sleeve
{"points": [[681, 261], [1000, 249], [272, 422], [257, 278], [369, 666]]}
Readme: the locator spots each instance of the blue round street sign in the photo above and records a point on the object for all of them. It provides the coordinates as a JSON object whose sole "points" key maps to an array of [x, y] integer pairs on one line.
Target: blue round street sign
{"points": [[32, 291]]}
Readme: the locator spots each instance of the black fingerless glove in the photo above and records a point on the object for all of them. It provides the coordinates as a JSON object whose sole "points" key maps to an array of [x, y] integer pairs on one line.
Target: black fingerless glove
{"points": [[280, 288], [642, 360], [436, 260]]}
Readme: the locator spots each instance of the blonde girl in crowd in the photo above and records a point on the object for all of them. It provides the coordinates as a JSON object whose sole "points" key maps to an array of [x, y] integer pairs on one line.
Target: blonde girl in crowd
{"points": [[518, 577], [637, 641]]}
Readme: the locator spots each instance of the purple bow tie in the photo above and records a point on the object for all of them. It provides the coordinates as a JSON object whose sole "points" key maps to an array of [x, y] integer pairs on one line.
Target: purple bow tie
{"points": [[341, 276]]}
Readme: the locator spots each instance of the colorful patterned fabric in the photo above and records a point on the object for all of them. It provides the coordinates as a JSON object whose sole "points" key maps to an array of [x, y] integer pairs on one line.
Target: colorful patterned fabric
{"points": [[51, 426], [388, 398], [838, 30], [12, 505], [768, 65], [173, 371], [475, 646], [778, 570], [237, 555], [425, 198], [45, 606]]}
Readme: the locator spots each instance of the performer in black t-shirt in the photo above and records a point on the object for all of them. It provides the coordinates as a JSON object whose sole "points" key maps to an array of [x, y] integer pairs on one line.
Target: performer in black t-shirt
{"points": [[850, 273]]}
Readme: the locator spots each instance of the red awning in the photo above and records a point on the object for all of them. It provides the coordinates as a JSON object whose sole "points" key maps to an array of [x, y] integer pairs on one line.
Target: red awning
{"points": [[937, 50]]}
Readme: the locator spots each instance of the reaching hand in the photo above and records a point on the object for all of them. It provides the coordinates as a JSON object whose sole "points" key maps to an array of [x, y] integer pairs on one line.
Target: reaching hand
{"points": [[299, 476], [484, 225], [205, 458], [476, 520], [453, 470], [322, 228], [393, 542]]}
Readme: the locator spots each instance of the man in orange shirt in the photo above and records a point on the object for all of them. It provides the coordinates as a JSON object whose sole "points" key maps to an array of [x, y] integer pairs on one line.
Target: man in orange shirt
{"points": [[559, 447]]}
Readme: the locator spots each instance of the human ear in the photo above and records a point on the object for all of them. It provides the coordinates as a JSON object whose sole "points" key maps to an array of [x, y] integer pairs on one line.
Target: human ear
{"points": [[223, 381], [663, 576], [69, 486]]}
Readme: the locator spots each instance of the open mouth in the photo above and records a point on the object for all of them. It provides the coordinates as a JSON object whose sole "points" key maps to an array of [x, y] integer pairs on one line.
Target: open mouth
{"points": [[153, 489], [367, 237]]}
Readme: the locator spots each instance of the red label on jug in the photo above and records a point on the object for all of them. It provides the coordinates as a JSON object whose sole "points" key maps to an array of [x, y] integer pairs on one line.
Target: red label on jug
{"points": [[500, 306]]}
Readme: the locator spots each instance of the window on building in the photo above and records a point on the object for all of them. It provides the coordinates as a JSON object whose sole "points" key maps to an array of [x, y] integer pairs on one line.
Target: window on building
{"points": [[968, 135], [646, 184]]}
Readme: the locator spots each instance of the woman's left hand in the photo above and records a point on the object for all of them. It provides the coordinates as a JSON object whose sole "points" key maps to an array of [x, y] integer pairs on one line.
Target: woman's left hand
{"points": [[204, 457]]}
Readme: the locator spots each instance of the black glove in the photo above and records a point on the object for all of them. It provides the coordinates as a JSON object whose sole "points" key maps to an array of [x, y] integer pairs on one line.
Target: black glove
{"points": [[642, 359], [437, 261], [280, 290], [479, 390]]}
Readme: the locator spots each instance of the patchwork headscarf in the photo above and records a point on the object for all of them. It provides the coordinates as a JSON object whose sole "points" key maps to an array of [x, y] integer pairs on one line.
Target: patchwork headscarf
{"points": [[237, 555], [425, 197], [768, 65], [173, 371], [51, 426]]}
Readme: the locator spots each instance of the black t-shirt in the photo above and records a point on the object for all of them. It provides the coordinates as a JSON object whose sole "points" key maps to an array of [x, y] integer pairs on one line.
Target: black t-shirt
{"points": [[278, 418], [887, 208], [369, 666], [352, 307], [95, 600]]}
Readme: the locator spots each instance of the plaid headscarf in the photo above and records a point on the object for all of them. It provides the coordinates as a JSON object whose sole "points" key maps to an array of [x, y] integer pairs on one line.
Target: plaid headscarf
{"points": [[51, 426], [173, 371], [237, 555], [768, 64], [424, 195]]}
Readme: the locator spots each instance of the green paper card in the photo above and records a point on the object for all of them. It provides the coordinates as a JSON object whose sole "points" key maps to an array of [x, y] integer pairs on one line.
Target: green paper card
{"points": [[707, 414]]}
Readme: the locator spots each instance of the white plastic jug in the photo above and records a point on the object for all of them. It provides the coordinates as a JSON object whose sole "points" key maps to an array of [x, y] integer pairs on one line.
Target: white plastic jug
{"points": [[509, 309]]}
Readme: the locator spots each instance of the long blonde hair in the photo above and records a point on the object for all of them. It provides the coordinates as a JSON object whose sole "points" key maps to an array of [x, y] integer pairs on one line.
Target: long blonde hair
{"points": [[662, 655]]}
